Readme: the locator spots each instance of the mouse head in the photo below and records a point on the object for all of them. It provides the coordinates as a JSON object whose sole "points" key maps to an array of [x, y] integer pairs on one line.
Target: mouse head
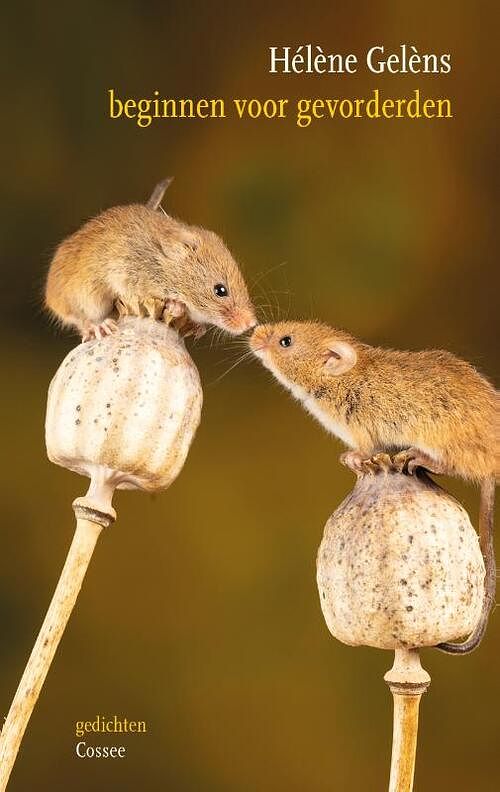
{"points": [[304, 354], [213, 287]]}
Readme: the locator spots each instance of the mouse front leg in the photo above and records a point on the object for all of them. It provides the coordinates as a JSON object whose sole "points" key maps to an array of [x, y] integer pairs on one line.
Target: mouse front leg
{"points": [[199, 331], [355, 461], [174, 309], [187, 328], [363, 464], [176, 315]]}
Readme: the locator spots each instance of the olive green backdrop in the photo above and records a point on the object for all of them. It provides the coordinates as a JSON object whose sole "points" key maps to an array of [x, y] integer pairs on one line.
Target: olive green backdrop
{"points": [[200, 613]]}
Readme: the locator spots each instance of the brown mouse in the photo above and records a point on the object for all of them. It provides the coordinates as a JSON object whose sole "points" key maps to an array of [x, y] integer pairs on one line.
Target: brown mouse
{"points": [[434, 409], [138, 260]]}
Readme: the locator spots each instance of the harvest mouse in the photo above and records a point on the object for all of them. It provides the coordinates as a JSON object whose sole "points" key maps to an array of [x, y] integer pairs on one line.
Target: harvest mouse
{"points": [[138, 260], [434, 409]]}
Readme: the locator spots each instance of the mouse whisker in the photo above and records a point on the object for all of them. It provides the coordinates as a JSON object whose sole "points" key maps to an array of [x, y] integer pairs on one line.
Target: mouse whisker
{"points": [[217, 334], [239, 346], [273, 306], [311, 307], [265, 310], [270, 296], [231, 358], [267, 272], [244, 357]]}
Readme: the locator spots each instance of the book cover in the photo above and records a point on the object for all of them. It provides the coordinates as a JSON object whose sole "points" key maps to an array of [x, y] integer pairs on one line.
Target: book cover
{"points": [[325, 163]]}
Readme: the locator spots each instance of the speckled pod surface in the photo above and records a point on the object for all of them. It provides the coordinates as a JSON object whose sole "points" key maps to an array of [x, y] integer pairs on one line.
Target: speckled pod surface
{"points": [[130, 403], [400, 565]]}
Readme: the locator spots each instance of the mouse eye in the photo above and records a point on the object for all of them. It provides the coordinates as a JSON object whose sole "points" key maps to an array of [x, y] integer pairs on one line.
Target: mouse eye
{"points": [[286, 341], [221, 290]]}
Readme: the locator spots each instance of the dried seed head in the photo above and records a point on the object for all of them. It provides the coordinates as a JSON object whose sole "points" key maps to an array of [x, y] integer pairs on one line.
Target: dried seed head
{"points": [[129, 403], [399, 564]]}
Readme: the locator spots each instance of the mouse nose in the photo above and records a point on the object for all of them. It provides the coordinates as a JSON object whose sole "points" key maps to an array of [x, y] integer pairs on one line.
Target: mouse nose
{"points": [[244, 320], [249, 318], [260, 337]]}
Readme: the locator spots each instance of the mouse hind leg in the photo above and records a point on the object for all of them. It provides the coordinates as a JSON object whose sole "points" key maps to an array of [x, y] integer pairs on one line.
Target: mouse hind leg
{"points": [[412, 458], [131, 305], [150, 307], [91, 330], [94, 318]]}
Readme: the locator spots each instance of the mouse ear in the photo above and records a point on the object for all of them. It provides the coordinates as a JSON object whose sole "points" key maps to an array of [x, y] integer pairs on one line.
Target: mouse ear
{"points": [[341, 358]]}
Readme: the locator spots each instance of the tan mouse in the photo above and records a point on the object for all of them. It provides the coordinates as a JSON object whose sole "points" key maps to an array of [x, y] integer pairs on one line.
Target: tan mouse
{"points": [[137, 260], [432, 407]]}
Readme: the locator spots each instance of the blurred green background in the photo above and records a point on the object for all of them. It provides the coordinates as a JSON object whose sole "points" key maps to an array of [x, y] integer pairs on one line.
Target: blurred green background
{"points": [[200, 612]]}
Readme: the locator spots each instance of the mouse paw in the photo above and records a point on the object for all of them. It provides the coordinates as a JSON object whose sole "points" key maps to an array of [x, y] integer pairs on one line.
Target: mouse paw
{"points": [[99, 330], [412, 458], [381, 462], [354, 461], [174, 309], [152, 307], [199, 331], [189, 328]]}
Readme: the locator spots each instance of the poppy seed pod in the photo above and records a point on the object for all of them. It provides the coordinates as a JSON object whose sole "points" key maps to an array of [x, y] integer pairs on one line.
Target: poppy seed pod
{"points": [[400, 564], [400, 567], [129, 403], [122, 410]]}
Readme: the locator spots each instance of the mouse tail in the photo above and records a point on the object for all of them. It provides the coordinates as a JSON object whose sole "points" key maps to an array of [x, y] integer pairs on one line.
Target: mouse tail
{"points": [[486, 514], [159, 191]]}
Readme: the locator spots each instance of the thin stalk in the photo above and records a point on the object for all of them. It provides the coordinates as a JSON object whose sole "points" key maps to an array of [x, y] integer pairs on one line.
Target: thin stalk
{"points": [[89, 524], [407, 681]]}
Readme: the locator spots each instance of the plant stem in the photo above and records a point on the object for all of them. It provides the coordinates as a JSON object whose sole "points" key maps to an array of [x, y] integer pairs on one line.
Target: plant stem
{"points": [[89, 524], [407, 681]]}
